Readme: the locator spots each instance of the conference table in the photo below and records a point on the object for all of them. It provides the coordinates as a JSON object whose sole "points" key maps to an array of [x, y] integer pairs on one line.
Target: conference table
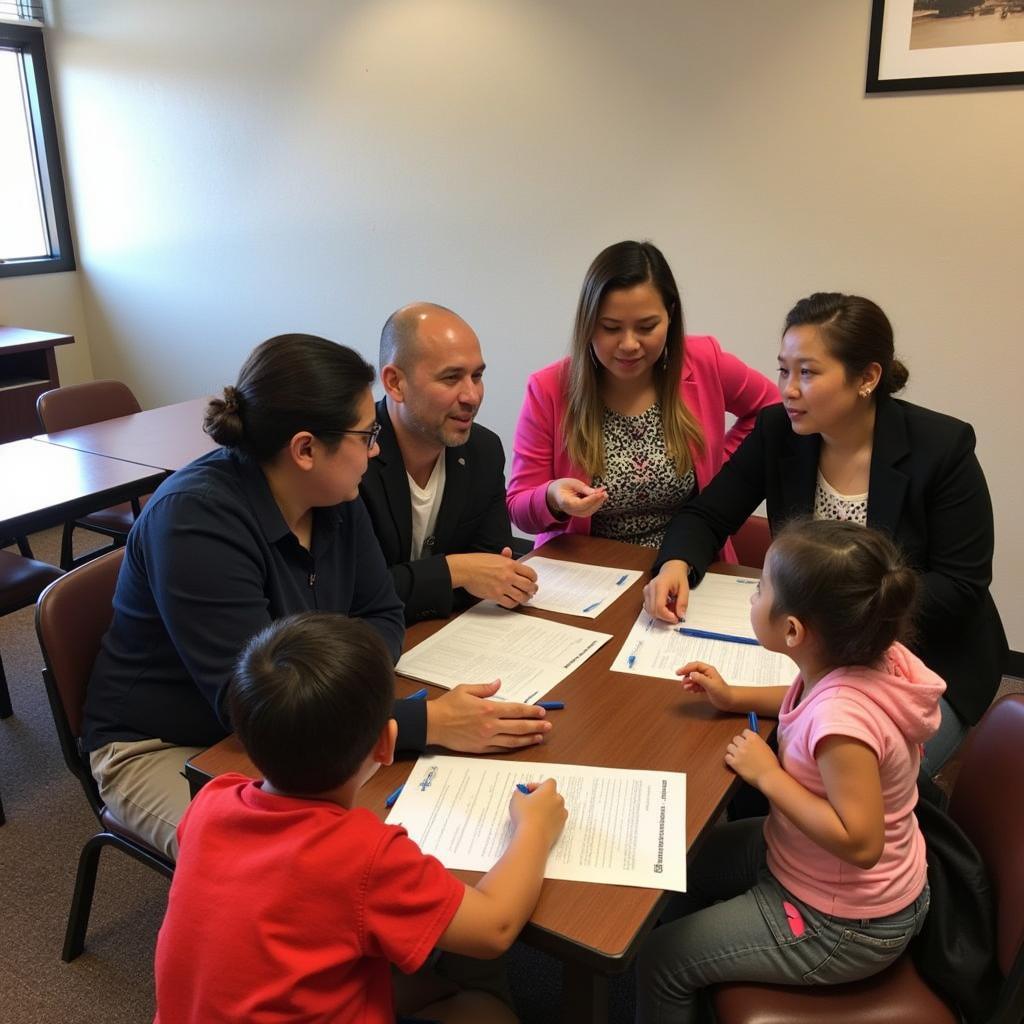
{"points": [[44, 484], [167, 438], [609, 720]]}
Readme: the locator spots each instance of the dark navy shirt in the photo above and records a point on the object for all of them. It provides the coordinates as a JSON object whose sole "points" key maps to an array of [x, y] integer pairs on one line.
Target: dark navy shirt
{"points": [[208, 564]]}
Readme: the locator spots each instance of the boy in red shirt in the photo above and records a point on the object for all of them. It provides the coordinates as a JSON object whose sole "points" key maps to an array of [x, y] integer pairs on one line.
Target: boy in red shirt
{"points": [[288, 903]]}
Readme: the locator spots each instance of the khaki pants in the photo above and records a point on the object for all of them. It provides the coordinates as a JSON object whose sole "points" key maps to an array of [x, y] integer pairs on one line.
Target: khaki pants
{"points": [[143, 783]]}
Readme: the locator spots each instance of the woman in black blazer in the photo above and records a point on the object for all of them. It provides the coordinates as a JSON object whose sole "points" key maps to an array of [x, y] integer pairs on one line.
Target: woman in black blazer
{"points": [[840, 447]]}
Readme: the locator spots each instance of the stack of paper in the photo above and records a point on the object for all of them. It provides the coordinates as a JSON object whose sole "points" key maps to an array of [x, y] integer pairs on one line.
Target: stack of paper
{"points": [[577, 589], [625, 827], [528, 654]]}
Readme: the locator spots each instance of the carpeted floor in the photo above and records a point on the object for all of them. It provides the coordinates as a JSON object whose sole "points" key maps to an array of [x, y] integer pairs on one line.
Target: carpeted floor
{"points": [[47, 822]]}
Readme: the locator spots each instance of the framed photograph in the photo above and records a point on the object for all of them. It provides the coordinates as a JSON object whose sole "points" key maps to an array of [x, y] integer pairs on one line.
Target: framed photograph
{"points": [[945, 44]]}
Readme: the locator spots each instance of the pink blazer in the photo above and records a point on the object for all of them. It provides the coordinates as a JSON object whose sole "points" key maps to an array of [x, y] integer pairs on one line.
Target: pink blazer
{"points": [[713, 383]]}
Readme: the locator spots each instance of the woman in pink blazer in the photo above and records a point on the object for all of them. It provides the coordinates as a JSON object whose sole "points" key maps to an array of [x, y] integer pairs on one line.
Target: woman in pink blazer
{"points": [[614, 438]]}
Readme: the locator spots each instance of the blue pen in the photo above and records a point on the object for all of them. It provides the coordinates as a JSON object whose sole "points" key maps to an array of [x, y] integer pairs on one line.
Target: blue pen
{"points": [[523, 788], [631, 661], [706, 634], [551, 705], [418, 695], [389, 800], [752, 720], [622, 579], [591, 607]]}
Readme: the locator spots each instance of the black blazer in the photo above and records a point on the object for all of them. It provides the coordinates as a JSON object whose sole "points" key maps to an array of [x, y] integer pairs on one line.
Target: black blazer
{"points": [[472, 516], [926, 490]]}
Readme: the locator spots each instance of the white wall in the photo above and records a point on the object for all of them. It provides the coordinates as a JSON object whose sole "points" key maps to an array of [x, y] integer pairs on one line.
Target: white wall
{"points": [[243, 168]]}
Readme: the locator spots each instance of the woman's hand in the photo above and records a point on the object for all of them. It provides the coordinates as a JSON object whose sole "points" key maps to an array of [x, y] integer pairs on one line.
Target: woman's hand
{"points": [[667, 595], [570, 497], [751, 758], [699, 677]]}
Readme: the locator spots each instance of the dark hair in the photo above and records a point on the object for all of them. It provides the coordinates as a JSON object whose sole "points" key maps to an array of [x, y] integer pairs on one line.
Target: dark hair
{"points": [[626, 265], [846, 582], [309, 697], [856, 332], [289, 383]]}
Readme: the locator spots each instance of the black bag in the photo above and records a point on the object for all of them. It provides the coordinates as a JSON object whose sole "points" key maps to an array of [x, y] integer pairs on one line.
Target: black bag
{"points": [[955, 951]]}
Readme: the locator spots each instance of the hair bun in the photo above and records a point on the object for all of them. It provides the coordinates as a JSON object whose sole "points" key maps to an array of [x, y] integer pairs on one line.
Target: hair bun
{"points": [[896, 379], [223, 420]]}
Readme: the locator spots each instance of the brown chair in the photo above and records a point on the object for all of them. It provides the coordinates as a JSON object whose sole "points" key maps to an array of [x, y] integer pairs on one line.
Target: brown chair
{"points": [[751, 542], [989, 809], [21, 581], [78, 405], [72, 615]]}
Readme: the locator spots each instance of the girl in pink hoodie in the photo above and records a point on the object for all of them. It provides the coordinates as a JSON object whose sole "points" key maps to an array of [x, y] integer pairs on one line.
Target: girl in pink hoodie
{"points": [[832, 885]]}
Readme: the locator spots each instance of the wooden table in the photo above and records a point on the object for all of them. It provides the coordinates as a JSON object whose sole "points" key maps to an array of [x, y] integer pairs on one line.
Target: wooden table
{"points": [[610, 720], [168, 437], [44, 484], [28, 367]]}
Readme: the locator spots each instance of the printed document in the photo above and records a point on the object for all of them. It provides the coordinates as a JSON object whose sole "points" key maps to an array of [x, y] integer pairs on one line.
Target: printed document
{"points": [[578, 589], [625, 827], [528, 654], [721, 604], [655, 648]]}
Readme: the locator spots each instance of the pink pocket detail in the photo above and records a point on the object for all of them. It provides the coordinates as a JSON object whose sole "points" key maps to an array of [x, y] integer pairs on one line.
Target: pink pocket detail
{"points": [[793, 918]]}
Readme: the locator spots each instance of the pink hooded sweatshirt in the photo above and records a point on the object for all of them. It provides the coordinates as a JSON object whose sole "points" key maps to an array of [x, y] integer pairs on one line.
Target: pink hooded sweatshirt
{"points": [[893, 709]]}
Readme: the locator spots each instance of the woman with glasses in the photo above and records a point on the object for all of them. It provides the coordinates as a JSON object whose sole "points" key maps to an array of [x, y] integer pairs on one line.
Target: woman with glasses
{"points": [[267, 525]]}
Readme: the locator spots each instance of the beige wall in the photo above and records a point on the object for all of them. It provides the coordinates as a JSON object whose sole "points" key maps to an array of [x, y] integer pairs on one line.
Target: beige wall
{"points": [[50, 302], [242, 168]]}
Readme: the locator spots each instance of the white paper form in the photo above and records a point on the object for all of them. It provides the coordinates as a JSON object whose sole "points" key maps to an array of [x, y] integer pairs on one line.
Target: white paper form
{"points": [[625, 827], [578, 589], [528, 654], [721, 604], [655, 648]]}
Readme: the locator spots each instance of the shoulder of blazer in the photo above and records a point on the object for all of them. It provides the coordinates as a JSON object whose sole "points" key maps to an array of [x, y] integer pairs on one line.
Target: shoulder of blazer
{"points": [[904, 430]]}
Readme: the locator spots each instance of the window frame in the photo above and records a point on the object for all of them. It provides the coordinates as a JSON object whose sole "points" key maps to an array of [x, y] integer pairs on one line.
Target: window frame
{"points": [[29, 40]]}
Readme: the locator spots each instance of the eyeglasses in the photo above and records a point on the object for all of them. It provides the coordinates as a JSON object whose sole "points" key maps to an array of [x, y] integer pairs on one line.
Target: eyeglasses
{"points": [[371, 435]]}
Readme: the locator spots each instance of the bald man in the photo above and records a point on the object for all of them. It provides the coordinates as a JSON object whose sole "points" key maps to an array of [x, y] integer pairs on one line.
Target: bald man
{"points": [[436, 497], [436, 491]]}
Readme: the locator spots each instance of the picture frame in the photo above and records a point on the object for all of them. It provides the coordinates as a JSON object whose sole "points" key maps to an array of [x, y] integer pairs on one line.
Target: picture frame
{"points": [[945, 44]]}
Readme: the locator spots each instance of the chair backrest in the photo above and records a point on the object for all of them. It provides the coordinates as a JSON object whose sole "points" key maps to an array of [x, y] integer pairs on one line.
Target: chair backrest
{"points": [[751, 542], [72, 615], [987, 805], [79, 404]]}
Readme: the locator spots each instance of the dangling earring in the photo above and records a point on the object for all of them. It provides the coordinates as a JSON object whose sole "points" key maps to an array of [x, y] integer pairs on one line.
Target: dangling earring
{"points": [[664, 357], [593, 357]]}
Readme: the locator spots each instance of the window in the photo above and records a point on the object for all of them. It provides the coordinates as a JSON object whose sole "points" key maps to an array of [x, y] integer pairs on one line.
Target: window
{"points": [[35, 237]]}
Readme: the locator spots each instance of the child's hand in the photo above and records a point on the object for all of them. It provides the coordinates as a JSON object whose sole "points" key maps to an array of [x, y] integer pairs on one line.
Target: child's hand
{"points": [[542, 808], [751, 758], [698, 677]]}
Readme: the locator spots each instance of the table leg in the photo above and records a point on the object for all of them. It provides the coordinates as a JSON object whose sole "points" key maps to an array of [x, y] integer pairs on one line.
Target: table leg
{"points": [[584, 995]]}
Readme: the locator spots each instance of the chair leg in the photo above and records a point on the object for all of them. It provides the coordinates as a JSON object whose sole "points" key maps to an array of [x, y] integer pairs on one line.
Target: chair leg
{"points": [[3, 817], [67, 552], [81, 902], [6, 710], [24, 547]]}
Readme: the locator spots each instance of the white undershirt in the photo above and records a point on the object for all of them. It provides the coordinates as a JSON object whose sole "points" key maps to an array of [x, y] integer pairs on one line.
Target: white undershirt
{"points": [[425, 502]]}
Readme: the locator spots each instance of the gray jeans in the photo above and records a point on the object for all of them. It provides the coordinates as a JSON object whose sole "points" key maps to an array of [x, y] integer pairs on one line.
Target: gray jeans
{"points": [[749, 936]]}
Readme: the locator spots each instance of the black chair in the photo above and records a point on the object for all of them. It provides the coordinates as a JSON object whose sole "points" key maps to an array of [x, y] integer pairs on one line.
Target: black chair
{"points": [[22, 579], [78, 405], [71, 617]]}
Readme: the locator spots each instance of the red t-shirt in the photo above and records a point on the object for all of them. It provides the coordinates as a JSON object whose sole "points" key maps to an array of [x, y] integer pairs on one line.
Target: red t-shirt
{"points": [[284, 909]]}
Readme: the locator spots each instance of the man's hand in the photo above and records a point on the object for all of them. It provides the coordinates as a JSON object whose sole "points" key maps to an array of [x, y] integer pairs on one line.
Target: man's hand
{"points": [[493, 577], [570, 497], [464, 720], [699, 677], [667, 595]]}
